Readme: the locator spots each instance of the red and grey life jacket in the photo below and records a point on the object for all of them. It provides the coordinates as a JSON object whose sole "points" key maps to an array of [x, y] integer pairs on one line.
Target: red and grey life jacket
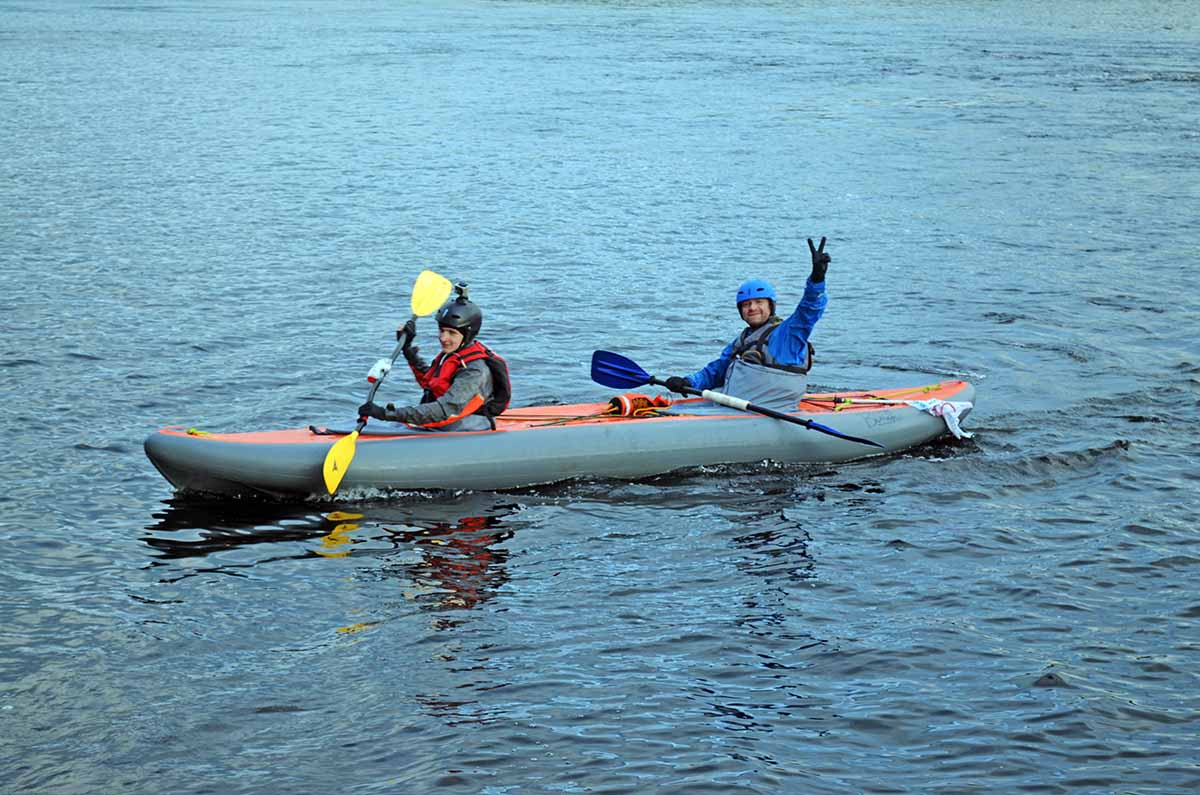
{"points": [[437, 379]]}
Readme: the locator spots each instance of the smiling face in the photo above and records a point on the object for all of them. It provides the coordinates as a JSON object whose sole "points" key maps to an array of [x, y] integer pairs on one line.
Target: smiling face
{"points": [[756, 311], [451, 339]]}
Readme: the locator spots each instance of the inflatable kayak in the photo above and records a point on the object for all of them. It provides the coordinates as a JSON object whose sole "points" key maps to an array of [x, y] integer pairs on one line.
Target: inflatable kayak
{"points": [[630, 437]]}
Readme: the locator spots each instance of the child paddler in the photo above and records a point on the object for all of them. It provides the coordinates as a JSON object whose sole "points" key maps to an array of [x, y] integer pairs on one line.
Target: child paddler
{"points": [[466, 385]]}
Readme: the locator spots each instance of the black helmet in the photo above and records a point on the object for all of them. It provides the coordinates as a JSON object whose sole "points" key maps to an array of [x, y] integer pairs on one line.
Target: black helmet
{"points": [[462, 316]]}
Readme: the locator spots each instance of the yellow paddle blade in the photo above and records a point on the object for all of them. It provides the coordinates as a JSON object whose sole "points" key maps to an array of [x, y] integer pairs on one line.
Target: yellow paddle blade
{"points": [[337, 461], [429, 293]]}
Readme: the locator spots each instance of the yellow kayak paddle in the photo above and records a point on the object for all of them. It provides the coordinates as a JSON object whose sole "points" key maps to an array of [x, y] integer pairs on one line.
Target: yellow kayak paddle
{"points": [[429, 293]]}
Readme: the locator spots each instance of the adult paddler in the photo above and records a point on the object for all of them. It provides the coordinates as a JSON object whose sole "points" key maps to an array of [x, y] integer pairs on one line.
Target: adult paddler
{"points": [[768, 362]]}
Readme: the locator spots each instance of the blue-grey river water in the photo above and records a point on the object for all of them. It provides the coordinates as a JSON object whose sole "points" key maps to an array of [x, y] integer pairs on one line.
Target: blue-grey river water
{"points": [[212, 213]]}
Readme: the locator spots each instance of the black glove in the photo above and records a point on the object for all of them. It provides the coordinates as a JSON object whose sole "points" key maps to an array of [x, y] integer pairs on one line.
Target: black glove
{"points": [[820, 261], [372, 410], [678, 383], [406, 333]]}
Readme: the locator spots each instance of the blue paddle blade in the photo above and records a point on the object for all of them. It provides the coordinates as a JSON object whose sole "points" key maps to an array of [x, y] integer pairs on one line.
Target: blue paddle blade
{"points": [[614, 370], [816, 426]]}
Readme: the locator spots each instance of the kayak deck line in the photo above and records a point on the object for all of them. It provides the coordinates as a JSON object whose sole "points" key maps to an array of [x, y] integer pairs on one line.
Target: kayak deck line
{"points": [[536, 417], [843, 401]]}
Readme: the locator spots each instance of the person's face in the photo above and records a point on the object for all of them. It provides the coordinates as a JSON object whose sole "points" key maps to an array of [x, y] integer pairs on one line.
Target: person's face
{"points": [[756, 311], [450, 338]]}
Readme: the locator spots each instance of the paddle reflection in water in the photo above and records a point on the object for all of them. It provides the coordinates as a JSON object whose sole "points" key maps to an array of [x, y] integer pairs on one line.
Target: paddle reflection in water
{"points": [[193, 527], [457, 565]]}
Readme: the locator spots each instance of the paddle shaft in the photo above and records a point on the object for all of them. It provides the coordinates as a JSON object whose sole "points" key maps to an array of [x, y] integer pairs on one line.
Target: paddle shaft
{"points": [[362, 421], [429, 292], [722, 399], [621, 372]]}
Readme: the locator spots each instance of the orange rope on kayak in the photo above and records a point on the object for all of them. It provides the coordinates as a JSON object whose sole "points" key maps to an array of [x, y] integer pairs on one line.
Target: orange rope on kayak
{"points": [[622, 407], [633, 404]]}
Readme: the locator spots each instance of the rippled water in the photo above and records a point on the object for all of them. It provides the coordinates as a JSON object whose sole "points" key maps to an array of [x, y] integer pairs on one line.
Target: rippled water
{"points": [[212, 214]]}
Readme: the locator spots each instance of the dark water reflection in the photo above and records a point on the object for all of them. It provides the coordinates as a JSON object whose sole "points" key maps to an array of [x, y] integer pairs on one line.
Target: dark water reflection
{"points": [[460, 563]]}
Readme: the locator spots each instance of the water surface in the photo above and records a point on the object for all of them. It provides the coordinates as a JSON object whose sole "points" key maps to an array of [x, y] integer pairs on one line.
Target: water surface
{"points": [[213, 214]]}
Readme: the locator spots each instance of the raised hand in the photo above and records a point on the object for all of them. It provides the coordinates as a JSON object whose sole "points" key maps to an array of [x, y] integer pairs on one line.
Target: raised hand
{"points": [[820, 261], [406, 333]]}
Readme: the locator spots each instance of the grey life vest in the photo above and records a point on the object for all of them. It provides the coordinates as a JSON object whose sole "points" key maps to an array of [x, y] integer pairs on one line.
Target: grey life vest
{"points": [[756, 376]]}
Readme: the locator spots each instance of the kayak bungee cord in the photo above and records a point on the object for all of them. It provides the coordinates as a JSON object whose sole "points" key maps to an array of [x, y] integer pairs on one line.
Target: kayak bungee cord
{"points": [[885, 397]]}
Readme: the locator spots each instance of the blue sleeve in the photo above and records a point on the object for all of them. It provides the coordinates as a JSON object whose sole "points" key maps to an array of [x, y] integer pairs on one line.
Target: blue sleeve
{"points": [[713, 374], [789, 342]]}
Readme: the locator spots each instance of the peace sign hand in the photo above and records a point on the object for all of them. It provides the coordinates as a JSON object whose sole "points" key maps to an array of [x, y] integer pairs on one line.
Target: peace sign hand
{"points": [[820, 261]]}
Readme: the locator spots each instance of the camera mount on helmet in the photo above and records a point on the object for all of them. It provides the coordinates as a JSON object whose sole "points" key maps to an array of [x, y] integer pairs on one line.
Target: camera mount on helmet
{"points": [[461, 314]]}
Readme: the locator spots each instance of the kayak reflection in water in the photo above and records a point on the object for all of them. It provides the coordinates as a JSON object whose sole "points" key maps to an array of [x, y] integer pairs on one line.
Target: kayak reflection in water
{"points": [[465, 387], [768, 362]]}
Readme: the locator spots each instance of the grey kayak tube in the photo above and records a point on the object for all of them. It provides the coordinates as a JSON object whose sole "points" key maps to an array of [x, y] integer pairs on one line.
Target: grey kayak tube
{"points": [[538, 445]]}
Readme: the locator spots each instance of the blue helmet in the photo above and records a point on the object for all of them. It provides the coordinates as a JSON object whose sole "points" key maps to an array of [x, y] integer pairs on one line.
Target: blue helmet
{"points": [[756, 288]]}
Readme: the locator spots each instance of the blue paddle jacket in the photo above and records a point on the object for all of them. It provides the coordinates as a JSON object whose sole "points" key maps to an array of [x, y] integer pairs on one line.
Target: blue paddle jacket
{"points": [[788, 342]]}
